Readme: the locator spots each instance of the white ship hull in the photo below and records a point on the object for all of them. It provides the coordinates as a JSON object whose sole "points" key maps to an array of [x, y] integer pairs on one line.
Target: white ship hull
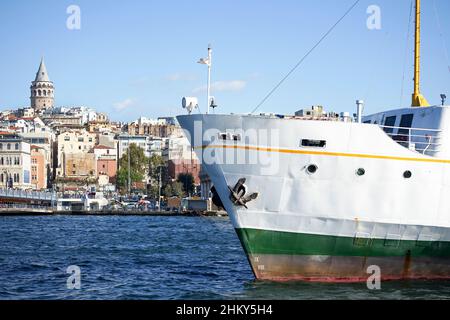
{"points": [[330, 224]]}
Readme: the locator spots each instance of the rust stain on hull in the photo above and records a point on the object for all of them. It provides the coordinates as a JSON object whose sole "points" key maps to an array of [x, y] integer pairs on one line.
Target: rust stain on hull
{"points": [[346, 269]]}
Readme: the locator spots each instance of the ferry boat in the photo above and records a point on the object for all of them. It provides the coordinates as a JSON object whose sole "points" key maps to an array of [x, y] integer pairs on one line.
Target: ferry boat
{"points": [[322, 197]]}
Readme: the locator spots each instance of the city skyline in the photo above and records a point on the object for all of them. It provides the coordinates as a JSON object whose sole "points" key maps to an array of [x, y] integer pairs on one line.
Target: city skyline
{"points": [[143, 66]]}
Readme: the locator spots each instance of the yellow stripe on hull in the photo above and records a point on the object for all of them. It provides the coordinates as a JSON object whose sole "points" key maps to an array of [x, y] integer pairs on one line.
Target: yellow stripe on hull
{"points": [[324, 153]]}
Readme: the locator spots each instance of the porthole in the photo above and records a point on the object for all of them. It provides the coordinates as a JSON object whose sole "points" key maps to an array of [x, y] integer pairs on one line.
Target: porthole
{"points": [[311, 169], [360, 172], [407, 174]]}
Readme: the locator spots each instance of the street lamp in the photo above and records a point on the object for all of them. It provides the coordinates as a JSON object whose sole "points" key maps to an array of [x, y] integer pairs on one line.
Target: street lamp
{"points": [[159, 188], [158, 202], [129, 165]]}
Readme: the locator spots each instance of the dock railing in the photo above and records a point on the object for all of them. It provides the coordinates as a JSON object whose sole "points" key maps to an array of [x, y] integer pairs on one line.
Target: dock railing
{"points": [[28, 194], [425, 141], [24, 207]]}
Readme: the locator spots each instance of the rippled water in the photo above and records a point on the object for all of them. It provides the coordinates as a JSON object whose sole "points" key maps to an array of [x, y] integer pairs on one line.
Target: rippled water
{"points": [[153, 258]]}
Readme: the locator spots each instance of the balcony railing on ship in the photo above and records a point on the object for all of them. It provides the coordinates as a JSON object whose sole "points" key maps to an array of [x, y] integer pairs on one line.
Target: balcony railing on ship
{"points": [[425, 141]]}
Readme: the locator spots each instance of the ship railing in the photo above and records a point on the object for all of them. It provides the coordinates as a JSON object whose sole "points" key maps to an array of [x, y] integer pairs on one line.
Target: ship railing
{"points": [[425, 141]]}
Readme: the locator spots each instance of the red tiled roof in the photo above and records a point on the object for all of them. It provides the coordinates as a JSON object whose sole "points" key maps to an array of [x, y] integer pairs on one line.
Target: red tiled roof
{"points": [[102, 147]]}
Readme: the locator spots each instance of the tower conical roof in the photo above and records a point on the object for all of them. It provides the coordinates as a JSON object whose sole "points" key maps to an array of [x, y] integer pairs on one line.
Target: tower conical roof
{"points": [[42, 74]]}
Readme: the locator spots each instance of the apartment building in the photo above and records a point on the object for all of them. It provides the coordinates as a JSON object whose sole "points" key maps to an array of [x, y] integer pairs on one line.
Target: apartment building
{"points": [[15, 161]]}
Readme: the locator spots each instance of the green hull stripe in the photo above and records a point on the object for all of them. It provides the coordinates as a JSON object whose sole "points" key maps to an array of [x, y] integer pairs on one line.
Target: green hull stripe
{"points": [[257, 241]]}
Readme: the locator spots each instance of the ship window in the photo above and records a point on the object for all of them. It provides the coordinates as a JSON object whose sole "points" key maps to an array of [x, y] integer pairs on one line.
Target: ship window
{"points": [[368, 121], [389, 123], [405, 122], [313, 143], [311, 169], [222, 136], [407, 174], [229, 136], [360, 172]]}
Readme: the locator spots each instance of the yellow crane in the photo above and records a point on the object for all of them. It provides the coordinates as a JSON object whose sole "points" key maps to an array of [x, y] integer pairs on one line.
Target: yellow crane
{"points": [[418, 100]]}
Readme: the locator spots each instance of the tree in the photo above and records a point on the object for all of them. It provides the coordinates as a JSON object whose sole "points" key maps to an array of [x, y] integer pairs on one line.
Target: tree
{"points": [[187, 181], [177, 189], [174, 189], [157, 168], [155, 162], [138, 165]]}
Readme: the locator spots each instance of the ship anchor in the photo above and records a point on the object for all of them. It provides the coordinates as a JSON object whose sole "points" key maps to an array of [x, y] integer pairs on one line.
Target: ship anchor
{"points": [[237, 194]]}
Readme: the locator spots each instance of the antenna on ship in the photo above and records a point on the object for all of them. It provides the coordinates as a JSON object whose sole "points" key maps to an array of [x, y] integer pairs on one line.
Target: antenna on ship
{"points": [[418, 100], [208, 61]]}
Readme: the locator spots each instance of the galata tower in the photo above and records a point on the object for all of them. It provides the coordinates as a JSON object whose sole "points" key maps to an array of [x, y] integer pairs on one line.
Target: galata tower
{"points": [[42, 90]]}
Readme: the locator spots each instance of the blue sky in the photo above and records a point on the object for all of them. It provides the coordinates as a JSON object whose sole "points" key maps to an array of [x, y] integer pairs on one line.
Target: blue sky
{"points": [[138, 58]]}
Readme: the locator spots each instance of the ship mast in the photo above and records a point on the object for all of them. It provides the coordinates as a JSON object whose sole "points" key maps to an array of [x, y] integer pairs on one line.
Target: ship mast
{"points": [[418, 100]]}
